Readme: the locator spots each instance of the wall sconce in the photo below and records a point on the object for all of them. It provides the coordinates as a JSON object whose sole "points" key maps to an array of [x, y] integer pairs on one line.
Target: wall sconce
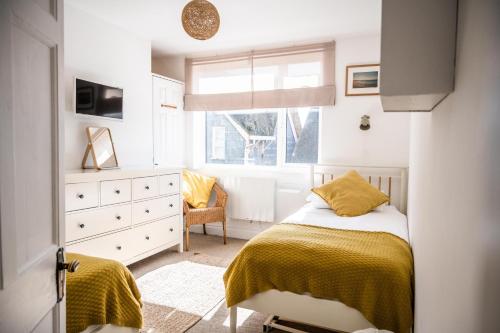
{"points": [[365, 123]]}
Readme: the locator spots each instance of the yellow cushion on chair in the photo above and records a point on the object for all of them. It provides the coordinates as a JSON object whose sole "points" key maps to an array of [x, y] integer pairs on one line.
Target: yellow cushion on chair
{"points": [[351, 195], [196, 188]]}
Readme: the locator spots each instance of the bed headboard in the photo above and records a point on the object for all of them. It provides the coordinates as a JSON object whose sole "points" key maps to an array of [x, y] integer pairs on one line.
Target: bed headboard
{"points": [[392, 181]]}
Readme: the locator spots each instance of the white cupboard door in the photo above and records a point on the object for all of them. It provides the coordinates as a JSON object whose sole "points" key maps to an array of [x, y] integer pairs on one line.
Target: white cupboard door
{"points": [[168, 121], [31, 170]]}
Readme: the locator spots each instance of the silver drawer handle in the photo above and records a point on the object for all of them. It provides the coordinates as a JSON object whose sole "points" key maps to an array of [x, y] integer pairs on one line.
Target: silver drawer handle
{"points": [[119, 247], [171, 205], [146, 187], [147, 237], [147, 211], [118, 217], [80, 196], [81, 225], [117, 191]]}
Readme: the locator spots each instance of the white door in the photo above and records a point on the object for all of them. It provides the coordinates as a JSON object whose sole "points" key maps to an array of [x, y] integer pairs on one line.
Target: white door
{"points": [[31, 178], [168, 121]]}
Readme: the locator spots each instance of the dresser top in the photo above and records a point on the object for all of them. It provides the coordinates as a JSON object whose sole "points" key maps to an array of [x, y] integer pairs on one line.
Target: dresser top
{"points": [[91, 175]]}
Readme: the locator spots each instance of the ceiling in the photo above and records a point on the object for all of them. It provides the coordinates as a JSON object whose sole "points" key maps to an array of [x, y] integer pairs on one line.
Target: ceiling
{"points": [[245, 24]]}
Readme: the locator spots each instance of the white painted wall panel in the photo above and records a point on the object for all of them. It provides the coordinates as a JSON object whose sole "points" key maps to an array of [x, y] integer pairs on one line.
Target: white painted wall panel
{"points": [[102, 52], [454, 187]]}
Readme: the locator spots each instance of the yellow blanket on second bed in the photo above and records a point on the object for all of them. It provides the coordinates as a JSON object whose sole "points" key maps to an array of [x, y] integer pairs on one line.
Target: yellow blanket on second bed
{"points": [[101, 292], [369, 271]]}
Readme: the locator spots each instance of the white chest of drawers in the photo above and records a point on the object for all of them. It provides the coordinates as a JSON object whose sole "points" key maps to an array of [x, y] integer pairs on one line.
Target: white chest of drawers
{"points": [[123, 214]]}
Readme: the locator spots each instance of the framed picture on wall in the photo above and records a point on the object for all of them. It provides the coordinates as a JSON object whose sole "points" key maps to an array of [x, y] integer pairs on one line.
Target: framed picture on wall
{"points": [[362, 80]]}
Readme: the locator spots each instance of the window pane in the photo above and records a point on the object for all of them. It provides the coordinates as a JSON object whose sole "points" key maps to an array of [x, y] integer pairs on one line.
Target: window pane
{"points": [[302, 132], [225, 77], [288, 72], [248, 137], [303, 75]]}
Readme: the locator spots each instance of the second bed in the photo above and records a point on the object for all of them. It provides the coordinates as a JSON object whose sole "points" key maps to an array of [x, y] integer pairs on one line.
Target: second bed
{"points": [[344, 273]]}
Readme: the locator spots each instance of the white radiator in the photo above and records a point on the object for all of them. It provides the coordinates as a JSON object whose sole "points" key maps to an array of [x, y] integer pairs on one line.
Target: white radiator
{"points": [[250, 198]]}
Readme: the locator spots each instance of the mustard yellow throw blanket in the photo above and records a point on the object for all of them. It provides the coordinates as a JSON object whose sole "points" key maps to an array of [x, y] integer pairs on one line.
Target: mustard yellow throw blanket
{"points": [[369, 271], [101, 292]]}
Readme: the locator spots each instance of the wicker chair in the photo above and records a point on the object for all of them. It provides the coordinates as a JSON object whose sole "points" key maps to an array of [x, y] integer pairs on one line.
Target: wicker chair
{"points": [[216, 213]]}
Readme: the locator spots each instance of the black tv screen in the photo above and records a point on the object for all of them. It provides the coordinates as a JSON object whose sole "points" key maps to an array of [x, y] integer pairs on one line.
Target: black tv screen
{"points": [[95, 99]]}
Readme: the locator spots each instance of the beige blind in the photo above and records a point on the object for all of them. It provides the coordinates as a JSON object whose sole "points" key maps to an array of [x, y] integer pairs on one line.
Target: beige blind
{"points": [[287, 77]]}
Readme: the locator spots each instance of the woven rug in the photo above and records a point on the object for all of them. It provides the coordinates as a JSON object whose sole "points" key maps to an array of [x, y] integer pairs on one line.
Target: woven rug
{"points": [[178, 295]]}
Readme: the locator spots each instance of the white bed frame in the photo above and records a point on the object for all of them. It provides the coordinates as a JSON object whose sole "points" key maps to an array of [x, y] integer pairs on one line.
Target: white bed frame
{"points": [[110, 328], [329, 314]]}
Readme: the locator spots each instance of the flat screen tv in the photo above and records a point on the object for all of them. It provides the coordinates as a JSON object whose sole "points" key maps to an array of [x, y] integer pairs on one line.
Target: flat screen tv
{"points": [[96, 99]]}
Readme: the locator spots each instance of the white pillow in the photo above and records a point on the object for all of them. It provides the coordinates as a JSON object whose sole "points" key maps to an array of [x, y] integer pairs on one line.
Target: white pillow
{"points": [[317, 201]]}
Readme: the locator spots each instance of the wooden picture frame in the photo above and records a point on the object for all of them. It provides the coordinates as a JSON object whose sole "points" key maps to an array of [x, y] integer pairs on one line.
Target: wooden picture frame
{"points": [[362, 80]]}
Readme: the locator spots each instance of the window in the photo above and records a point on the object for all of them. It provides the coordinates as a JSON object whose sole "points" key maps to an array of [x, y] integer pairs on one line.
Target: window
{"points": [[268, 137], [278, 78], [259, 104], [302, 135], [218, 143]]}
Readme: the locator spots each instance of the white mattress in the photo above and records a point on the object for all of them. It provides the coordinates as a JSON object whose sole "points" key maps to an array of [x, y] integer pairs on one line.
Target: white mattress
{"points": [[384, 218]]}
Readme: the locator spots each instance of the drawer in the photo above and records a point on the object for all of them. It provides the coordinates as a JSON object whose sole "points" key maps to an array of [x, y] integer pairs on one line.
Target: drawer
{"points": [[82, 195], [155, 209], [150, 236], [144, 188], [169, 184], [88, 223], [116, 191], [116, 246]]}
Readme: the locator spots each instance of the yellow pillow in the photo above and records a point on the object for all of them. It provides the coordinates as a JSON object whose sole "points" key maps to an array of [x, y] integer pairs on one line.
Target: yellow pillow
{"points": [[351, 195], [196, 188]]}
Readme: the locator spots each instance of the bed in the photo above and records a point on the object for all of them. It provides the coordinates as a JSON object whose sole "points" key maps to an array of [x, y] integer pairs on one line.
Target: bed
{"points": [[327, 312], [102, 296]]}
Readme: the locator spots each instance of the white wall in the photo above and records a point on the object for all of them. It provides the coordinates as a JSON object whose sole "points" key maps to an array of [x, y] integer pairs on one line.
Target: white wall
{"points": [[454, 199], [387, 141], [99, 51], [342, 142]]}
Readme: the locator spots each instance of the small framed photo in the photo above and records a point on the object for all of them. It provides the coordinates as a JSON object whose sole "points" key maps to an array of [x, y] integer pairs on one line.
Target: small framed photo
{"points": [[362, 80]]}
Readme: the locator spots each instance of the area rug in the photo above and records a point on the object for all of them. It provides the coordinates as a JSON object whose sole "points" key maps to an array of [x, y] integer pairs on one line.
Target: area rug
{"points": [[178, 295]]}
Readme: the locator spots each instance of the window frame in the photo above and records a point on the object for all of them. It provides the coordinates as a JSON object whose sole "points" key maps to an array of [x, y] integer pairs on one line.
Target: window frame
{"points": [[200, 154]]}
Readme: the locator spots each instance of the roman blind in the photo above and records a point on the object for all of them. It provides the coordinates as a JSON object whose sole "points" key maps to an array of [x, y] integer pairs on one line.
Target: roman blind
{"points": [[287, 77]]}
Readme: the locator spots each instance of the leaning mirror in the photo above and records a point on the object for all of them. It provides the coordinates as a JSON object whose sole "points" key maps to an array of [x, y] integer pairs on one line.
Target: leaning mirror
{"points": [[100, 152]]}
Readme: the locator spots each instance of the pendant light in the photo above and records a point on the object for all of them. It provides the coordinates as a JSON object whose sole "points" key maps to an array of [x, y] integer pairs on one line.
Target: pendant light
{"points": [[200, 19]]}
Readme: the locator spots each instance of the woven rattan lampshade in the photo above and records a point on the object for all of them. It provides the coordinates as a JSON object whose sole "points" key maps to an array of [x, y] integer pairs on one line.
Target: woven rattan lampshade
{"points": [[200, 19]]}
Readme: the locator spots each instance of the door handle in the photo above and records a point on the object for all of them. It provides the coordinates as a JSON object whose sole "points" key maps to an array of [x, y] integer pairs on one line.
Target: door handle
{"points": [[61, 267], [168, 106], [71, 266]]}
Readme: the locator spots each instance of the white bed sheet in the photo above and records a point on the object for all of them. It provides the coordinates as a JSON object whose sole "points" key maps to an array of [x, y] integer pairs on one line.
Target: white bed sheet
{"points": [[384, 218]]}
